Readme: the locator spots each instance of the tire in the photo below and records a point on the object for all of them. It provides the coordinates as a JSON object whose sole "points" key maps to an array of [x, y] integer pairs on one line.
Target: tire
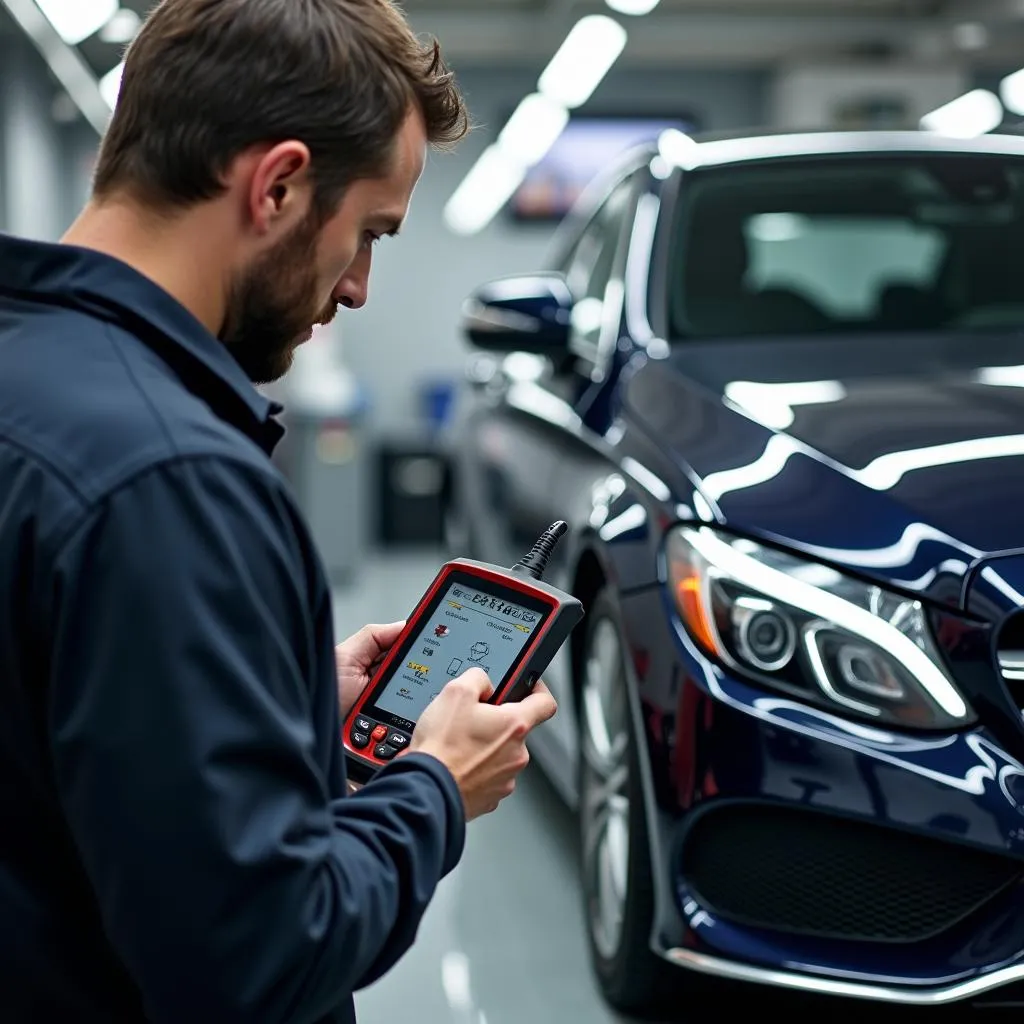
{"points": [[618, 890]]}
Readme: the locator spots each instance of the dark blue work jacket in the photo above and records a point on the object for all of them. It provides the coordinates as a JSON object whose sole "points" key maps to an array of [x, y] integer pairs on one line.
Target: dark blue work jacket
{"points": [[176, 844]]}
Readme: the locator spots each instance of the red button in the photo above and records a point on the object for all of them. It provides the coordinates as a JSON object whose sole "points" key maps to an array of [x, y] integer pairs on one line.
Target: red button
{"points": [[379, 733]]}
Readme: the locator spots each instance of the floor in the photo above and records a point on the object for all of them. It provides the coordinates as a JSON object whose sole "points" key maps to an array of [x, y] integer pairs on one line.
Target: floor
{"points": [[514, 952]]}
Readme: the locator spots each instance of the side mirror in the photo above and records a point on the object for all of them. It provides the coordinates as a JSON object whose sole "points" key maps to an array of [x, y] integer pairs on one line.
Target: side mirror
{"points": [[527, 313]]}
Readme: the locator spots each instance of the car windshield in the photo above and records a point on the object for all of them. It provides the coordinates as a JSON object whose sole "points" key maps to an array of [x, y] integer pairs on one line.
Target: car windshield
{"points": [[886, 243]]}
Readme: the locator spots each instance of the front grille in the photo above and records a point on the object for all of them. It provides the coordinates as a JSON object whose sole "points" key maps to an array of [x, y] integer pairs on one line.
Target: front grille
{"points": [[807, 873]]}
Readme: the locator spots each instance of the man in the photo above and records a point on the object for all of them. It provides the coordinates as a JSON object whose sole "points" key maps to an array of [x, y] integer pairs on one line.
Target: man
{"points": [[177, 844]]}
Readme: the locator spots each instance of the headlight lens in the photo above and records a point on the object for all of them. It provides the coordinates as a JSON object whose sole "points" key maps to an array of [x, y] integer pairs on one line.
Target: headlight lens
{"points": [[809, 630]]}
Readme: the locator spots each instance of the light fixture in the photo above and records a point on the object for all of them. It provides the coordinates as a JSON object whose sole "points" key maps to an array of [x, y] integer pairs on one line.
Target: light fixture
{"points": [[1011, 89], [122, 28], [532, 129], [490, 184], [584, 58], [632, 7], [64, 61], [110, 85], [76, 20], [966, 117], [577, 68]]}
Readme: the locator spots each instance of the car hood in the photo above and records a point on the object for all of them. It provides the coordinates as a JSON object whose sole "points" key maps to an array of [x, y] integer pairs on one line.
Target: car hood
{"points": [[901, 458]]}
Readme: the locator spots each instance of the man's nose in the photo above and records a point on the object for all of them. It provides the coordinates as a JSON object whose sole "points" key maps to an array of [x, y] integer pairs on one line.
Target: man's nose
{"points": [[354, 287], [352, 294]]}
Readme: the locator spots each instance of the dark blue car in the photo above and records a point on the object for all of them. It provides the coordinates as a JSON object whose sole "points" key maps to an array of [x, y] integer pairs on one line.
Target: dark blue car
{"points": [[776, 386]]}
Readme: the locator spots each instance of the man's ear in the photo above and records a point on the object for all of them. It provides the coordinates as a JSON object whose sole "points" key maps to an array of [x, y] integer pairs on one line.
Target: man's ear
{"points": [[280, 187]]}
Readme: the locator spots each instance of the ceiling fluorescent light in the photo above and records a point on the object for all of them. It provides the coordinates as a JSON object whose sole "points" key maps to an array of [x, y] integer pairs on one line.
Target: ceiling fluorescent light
{"points": [[110, 85], [966, 117], [1011, 89], [490, 184], [584, 58], [64, 61], [122, 28], [633, 7], [533, 129], [76, 20]]}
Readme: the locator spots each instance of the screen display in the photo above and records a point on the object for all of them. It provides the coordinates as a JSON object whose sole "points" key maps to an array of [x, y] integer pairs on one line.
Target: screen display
{"points": [[585, 148], [468, 628]]}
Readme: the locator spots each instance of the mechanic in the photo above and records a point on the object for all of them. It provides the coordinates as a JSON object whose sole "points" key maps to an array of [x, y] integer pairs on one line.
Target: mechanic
{"points": [[177, 842]]}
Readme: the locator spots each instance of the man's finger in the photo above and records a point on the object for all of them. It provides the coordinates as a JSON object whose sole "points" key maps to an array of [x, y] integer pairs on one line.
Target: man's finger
{"points": [[540, 706], [478, 681]]}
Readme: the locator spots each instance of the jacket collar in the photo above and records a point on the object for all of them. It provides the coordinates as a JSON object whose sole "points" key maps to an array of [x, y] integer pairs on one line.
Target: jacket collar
{"points": [[107, 289]]}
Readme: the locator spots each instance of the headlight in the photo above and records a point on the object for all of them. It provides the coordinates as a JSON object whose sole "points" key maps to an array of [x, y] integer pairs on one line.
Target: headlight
{"points": [[806, 629]]}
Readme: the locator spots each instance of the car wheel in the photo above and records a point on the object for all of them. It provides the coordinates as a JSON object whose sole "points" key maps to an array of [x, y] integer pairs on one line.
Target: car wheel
{"points": [[616, 870]]}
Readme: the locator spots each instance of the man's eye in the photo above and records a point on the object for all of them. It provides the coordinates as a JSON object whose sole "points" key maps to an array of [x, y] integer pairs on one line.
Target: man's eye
{"points": [[370, 239]]}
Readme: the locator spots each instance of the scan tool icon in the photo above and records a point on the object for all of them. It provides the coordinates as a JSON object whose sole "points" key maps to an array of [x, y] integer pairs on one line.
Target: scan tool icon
{"points": [[479, 651]]}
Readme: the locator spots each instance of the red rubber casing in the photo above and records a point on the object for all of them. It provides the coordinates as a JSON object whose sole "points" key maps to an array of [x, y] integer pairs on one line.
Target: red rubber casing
{"points": [[561, 614]]}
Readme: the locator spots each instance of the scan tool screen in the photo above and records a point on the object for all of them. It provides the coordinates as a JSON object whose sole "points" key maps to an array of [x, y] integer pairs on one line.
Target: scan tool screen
{"points": [[468, 628]]}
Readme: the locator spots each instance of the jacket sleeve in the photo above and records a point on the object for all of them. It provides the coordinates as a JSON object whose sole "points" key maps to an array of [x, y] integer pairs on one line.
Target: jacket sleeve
{"points": [[365, 812], [229, 882]]}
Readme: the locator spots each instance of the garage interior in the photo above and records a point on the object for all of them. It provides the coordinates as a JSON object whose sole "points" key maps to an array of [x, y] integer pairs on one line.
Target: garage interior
{"points": [[371, 402]]}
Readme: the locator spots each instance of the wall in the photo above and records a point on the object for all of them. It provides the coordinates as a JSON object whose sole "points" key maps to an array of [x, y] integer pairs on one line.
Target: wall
{"points": [[44, 165], [409, 328], [822, 96], [32, 155], [79, 147]]}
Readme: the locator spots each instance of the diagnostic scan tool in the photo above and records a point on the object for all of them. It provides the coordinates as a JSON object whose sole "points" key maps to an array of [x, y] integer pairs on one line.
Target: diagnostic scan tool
{"points": [[507, 622]]}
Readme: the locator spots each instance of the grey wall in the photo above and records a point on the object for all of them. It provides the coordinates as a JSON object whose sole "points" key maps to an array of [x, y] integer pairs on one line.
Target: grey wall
{"points": [[44, 165], [408, 329], [79, 148], [32, 154]]}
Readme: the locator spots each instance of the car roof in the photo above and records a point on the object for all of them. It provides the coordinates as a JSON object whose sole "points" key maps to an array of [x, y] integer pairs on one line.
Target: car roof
{"points": [[724, 149], [708, 151]]}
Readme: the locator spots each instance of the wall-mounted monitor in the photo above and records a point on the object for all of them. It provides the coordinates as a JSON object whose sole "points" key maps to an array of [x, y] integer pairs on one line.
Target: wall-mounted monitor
{"points": [[584, 149]]}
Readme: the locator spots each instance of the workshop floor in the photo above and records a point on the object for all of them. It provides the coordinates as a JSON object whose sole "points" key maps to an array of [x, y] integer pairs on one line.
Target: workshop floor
{"points": [[503, 941]]}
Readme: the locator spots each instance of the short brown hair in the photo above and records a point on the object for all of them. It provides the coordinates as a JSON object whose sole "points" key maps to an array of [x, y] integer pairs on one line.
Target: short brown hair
{"points": [[207, 79]]}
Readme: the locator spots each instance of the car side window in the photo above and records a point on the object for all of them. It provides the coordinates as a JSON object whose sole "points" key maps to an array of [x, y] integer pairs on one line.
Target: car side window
{"points": [[590, 267]]}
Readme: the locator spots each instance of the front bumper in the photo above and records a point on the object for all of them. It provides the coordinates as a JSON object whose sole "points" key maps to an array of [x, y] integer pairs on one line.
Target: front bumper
{"points": [[714, 741], [891, 992]]}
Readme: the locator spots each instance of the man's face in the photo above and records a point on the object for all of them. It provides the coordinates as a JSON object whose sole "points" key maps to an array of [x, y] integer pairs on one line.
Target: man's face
{"points": [[300, 283]]}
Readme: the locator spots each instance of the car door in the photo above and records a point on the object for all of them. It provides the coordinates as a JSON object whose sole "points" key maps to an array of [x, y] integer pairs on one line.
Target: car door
{"points": [[594, 269], [566, 463], [514, 436]]}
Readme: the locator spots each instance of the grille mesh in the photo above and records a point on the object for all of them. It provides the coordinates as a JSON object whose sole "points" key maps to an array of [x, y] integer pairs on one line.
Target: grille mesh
{"points": [[807, 873]]}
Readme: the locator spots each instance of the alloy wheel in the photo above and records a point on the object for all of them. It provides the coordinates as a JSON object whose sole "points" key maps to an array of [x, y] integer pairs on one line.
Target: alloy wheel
{"points": [[604, 791]]}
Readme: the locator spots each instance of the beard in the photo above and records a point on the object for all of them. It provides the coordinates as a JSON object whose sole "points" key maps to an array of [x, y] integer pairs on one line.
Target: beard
{"points": [[273, 305]]}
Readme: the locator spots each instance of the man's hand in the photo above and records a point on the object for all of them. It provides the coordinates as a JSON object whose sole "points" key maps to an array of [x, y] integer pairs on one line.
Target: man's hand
{"points": [[483, 746], [359, 657]]}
